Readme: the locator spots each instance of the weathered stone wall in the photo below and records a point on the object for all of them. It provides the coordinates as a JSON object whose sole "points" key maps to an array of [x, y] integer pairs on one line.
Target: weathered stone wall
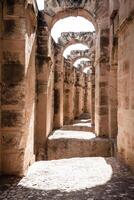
{"points": [[125, 138], [18, 77]]}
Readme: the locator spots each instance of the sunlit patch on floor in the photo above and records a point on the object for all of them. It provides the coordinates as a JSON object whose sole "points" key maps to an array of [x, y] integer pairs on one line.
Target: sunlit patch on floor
{"points": [[61, 134], [68, 174], [82, 124]]}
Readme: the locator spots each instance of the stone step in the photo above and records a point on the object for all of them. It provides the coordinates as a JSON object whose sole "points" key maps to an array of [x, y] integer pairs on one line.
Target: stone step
{"points": [[68, 144], [78, 128], [83, 124]]}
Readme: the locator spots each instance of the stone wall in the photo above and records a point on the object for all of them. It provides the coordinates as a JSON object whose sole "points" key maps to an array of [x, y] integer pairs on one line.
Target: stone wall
{"points": [[18, 78], [125, 138]]}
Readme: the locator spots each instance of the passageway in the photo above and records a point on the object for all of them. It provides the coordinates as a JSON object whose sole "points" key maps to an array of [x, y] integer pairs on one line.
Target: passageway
{"points": [[66, 99]]}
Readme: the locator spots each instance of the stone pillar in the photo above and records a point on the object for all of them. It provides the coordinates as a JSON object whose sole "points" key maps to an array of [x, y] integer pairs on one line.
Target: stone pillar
{"points": [[112, 93], [0, 73], [112, 100], [87, 95], [58, 88], [68, 95], [18, 87], [82, 92], [77, 94], [93, 99], [101, 82], [86, 92], [45, 78]]}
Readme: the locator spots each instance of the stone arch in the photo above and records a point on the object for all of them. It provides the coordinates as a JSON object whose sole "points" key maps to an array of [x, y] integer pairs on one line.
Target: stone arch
{"points": [[68, 39], [93, 10], [51, 20], [75, 55], [86, 38]]}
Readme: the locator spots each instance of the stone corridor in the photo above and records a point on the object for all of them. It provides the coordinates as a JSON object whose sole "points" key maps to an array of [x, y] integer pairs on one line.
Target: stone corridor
{"points": [[95, 178], [67, 99]]}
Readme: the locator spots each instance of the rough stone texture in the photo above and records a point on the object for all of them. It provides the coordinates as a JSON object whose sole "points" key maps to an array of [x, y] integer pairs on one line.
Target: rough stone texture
{"points": [[75, 179], [125, 138], [18, 78]]}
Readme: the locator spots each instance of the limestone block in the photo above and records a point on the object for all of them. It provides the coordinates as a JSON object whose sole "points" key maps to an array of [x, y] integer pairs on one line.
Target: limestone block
{"points": [[14, 28], [12, 118]]}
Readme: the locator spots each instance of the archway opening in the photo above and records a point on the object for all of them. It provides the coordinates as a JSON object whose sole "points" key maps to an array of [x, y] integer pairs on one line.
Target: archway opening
{"points": [[78, 61], [74, 47], [71, 24], [73, 37]]}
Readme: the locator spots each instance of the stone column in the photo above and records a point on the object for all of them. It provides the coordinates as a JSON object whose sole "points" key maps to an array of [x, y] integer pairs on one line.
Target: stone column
{"points": [[101, 82], [45, 78], [112, 93], [68, 95], [82, 92], [58, 88], [86, 92], [0, 73], [18, 87], [77, 94], [89, 95], [93, 99]]}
